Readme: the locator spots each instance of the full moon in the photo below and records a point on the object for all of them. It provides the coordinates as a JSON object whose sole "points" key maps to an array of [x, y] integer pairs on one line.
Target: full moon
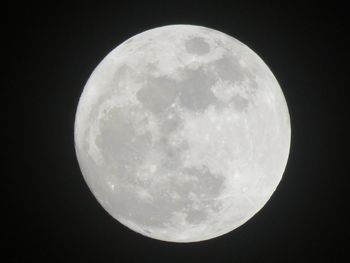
{"points": [[182, 133]]}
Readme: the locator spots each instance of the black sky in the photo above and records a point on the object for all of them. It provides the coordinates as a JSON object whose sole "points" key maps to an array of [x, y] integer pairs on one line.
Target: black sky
{"points": [[51, 216]]}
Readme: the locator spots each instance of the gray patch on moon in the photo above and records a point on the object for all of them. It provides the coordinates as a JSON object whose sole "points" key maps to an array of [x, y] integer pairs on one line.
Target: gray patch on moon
{"points": [[170, 122], [140, 212], [208, 185], [119, 75], [198, 192], [195, 89], [171, 153], [197, 46], [239, 103], [228, 68], [196, 216], [120, 145], [158, 94], [151, 67], [161, 210]]}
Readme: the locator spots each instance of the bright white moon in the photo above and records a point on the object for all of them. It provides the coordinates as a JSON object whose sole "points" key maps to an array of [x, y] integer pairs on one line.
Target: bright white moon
{"points": [[182, 133]]}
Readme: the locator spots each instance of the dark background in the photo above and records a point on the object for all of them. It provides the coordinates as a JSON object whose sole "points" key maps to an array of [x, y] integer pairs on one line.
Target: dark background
{"points": [[50, 214]]}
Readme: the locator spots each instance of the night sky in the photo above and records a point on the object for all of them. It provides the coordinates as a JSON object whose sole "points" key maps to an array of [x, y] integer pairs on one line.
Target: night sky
{"points": [[51, 215]]}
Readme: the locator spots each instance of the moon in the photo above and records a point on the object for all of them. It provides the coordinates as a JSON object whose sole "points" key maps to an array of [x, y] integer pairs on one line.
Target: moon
{"points": [[182, 133]]}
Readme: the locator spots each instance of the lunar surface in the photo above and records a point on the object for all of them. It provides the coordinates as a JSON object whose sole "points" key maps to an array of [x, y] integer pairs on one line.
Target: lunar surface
{"points": [[182, 133]]}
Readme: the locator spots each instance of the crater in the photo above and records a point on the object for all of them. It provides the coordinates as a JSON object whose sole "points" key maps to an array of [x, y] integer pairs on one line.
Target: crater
{"points": [[197, 45]]}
